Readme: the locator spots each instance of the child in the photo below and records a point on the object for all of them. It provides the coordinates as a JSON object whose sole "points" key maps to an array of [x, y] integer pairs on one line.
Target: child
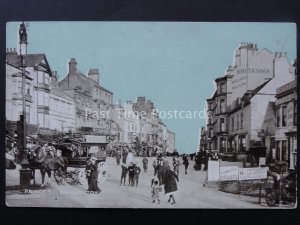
{"points": [[124, 173], [155, 191]]}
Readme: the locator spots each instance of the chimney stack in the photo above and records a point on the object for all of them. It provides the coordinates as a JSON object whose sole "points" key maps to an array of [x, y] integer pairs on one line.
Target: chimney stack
{"points": [[94, 75], [72, 66]]}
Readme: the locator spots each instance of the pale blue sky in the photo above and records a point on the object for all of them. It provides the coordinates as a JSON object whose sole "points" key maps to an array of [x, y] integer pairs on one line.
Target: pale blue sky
{"points": [[171, 63]]}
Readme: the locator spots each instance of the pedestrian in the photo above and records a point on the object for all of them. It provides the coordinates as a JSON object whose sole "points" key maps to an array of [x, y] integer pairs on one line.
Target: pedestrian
{"points": [[145, 164], [123, 173], [170, 184], [185, 163], [129, 158], [137, 171], [155, 192], [176, 165], [131, 174], [118, 157], [124, 155], [92, 176]]}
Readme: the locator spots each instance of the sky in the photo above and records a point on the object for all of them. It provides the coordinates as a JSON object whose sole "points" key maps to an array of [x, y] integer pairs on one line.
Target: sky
{"points": [[174, 64]]}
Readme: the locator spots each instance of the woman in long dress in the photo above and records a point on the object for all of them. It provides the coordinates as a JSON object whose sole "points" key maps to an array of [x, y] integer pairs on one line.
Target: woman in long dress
{"points": [[170, 184]]}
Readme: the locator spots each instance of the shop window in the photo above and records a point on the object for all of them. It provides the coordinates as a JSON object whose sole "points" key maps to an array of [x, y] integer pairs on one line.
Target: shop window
{"points": [[222, 144], [242, 143], [230, 145], [232, 123]]}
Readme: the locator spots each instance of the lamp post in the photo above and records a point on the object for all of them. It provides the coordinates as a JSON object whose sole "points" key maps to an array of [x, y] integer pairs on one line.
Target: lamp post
{"points": [[25, 172]]}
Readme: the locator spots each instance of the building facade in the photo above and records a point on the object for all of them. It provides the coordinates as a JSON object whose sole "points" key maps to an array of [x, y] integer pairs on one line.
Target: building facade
{"points": [[92, 101], [237, 110], [42, 104], [286, 125]]}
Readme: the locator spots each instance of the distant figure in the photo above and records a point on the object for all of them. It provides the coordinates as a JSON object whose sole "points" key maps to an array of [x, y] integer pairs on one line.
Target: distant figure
{"points": [[129, 158], [123, 173], [118, 157], [176, 165], [124, 155], [137, 171], [155, 192], [131, 174], [185, 163], [145, 164]]}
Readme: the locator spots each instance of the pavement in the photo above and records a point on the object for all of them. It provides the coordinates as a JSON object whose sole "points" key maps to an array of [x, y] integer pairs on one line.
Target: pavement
{"points": [[191, 192]]}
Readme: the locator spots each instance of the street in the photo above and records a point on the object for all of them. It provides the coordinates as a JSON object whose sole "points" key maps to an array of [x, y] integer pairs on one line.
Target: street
{"points": [[191, 192]]}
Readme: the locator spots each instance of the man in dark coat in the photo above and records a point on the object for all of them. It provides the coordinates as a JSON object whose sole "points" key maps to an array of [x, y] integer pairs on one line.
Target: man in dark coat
{"points": [[92, 176], [170, 183], [131, 174]]}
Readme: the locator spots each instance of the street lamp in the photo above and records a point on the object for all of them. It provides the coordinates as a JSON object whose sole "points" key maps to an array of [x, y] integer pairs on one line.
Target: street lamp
{"points": [[25, 172]]}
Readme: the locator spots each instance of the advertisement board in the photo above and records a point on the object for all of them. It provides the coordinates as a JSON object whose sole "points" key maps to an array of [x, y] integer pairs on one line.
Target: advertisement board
{"points": [[254, 173], [229, 173]]}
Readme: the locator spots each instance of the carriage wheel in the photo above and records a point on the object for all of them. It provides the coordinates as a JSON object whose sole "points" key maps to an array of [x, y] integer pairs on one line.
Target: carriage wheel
{"points": [[102, 172], [81, 177], [58, 177]]}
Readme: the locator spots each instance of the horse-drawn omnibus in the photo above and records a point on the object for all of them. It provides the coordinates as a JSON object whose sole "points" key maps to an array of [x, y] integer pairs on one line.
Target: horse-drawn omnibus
{"points": [[78, 152]]}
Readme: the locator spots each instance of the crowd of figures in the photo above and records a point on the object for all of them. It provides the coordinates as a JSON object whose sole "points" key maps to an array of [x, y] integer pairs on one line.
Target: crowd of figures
{"points": [[165, 176]]}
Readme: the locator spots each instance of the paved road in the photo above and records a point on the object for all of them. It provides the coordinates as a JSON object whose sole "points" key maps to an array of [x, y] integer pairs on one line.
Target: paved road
{"points": [[191, 193]]}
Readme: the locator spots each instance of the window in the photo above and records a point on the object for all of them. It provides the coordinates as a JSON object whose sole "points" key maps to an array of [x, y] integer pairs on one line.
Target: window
{"points": [[277, 150], [242, 119], [222, 88], [27, 114], [28, 91], [295, 113], [242, 143], [278, 124], [222, 124], [238, 122], [284, 112], [230, 145], [222, 144], [222, 106], [284, 151], [232, 123]]}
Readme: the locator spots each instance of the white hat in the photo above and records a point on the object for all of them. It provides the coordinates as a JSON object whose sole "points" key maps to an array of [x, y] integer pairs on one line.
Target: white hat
{"points": [[94, 158]]}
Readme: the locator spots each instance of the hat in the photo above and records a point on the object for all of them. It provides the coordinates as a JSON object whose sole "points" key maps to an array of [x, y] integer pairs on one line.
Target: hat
{"points": [[94, 158]]}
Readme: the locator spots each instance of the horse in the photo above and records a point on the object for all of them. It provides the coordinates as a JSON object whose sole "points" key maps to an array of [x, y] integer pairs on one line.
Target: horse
{"points": [[38, 159]]}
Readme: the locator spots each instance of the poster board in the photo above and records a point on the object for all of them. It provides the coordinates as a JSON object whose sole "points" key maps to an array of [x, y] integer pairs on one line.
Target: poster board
{"points": [[228, 173], [254, 173], [213, 172]]}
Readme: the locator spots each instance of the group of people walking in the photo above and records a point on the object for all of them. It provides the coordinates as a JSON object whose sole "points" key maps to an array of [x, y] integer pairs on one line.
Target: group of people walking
{"points": [[133, 171]]}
